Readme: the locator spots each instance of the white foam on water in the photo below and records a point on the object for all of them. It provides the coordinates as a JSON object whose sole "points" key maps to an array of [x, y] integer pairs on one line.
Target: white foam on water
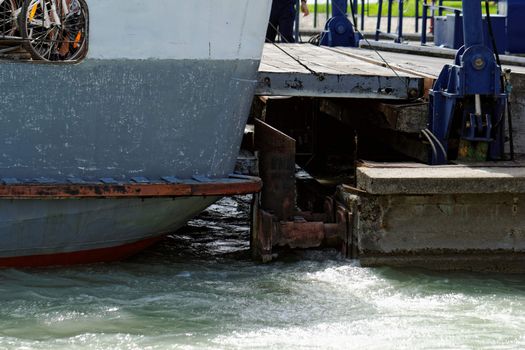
{"points": [[174, 297]]}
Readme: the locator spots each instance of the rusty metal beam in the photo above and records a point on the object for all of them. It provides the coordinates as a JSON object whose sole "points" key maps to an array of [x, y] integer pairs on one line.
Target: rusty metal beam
{"points": [[301, 234], [223, 187], [262, 232], [269, 233], [277, 170]]}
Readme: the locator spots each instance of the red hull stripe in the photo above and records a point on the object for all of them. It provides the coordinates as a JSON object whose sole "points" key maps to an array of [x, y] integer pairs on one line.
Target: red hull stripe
{"points": [[80, 257]]}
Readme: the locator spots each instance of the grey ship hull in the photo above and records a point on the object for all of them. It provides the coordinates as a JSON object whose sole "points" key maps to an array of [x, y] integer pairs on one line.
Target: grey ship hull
{"points": [[63, 232], [123, 118], [112, 120]]}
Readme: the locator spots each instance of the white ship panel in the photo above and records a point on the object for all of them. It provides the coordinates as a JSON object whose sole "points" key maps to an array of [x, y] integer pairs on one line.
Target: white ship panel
{"points": [[177, 29]]}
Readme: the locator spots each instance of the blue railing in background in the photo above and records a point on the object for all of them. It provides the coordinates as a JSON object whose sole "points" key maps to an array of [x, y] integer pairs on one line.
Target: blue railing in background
{"points": [[398, 37], [425, 13], [328, 12]]}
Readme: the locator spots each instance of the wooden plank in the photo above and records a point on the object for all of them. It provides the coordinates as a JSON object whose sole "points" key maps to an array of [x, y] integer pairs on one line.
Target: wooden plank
{"points": [[406, 118], [379, 60], [428, 64], [420, 65], [319, 59], [385, 131], [398, 66], [409, 118], [515, 63]]}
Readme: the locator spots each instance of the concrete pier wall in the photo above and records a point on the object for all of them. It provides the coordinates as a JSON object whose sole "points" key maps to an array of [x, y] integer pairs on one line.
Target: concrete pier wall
{"points": [[482, 230], [517, 100]]}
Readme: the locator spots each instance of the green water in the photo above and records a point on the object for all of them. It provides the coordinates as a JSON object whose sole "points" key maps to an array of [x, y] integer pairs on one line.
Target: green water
{"points": [[193, 292]]}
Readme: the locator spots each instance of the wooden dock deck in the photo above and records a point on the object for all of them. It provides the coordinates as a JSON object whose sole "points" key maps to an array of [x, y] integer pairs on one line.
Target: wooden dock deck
{"points": [[311, 71]]}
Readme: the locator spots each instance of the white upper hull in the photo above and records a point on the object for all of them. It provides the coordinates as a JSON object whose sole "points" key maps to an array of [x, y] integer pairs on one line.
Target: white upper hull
{"points": [[177, 29]]}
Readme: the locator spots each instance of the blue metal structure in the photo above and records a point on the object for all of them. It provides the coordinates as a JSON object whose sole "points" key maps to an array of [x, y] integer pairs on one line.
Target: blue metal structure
{"points": [[448, 31], [514, 10], [467, 101], [338, 30]]}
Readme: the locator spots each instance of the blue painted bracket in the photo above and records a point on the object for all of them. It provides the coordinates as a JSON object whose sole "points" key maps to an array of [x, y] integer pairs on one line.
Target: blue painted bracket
{"points": [[338, 30], [474, 75]]}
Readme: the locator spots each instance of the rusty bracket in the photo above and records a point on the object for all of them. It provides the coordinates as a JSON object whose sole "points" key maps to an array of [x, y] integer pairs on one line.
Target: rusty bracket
{"points": [[268, 232]]}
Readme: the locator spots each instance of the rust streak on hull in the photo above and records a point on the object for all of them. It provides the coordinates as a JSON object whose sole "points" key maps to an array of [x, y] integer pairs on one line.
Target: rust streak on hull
{"points": [[58, 191]]}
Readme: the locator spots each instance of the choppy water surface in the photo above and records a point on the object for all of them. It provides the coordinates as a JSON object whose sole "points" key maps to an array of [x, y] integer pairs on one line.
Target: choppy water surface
{"points": [[191, 292]]}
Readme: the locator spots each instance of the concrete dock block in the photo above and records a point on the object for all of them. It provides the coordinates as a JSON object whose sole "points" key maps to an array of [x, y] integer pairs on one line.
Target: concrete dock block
{"points": [[445, 218], [422, 179]]}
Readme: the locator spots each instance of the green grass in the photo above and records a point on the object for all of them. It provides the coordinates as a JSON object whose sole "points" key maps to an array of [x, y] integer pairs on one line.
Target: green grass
{"points": [[408, 11]]}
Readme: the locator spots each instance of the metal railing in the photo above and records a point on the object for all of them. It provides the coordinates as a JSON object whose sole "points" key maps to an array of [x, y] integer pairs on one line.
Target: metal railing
{"points": [[425, 12], [354, 6], [398, 37]]}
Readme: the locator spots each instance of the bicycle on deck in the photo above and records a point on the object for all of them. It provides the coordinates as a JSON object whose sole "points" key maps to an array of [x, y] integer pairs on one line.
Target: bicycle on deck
{"points": [[49, 30]]}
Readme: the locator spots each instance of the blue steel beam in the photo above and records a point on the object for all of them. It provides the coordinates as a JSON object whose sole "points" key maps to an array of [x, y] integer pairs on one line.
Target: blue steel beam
{"points": [[472, 23]]}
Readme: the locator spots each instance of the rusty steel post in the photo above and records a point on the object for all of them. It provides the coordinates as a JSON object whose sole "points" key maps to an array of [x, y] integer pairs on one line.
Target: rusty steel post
{"points": [[262, 232], [275, 221], [341, 219], [277, 170]]}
